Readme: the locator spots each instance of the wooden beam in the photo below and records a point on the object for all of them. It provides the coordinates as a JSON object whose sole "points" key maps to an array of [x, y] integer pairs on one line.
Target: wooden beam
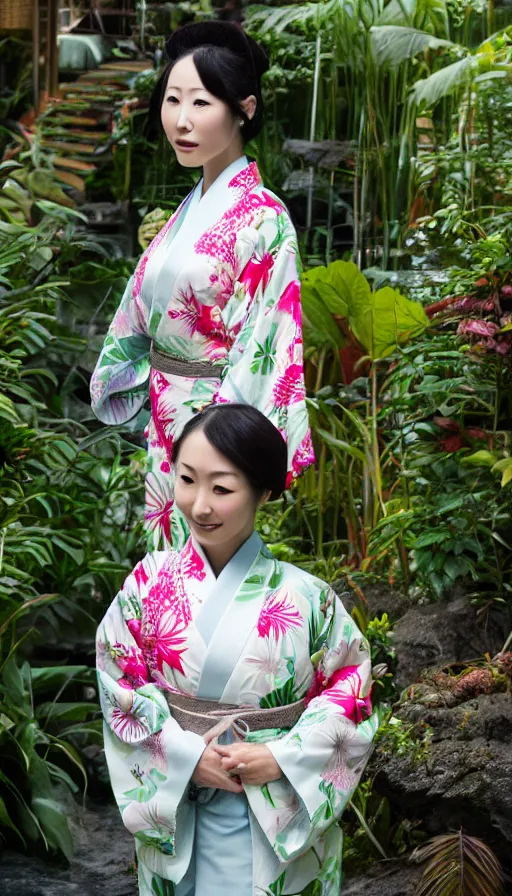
{"points": [[36, 51], [52, 51]]}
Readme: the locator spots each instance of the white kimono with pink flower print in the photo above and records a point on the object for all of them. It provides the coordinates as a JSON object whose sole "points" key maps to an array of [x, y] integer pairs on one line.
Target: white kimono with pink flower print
{"points": [[220, 284], [264, 633]]}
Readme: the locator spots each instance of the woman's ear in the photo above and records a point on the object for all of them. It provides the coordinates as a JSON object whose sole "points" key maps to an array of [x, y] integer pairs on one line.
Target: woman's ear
{"points": [[249, 106]]}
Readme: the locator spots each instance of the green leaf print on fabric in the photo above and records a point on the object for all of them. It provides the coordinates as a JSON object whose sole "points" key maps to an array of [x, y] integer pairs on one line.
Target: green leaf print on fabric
{"points": [[154, 321], [329, 791], [265, 355], [125, 350], [161, 887], [163, 843], [148, 784], [313, 889], [268, 798], [281, 696], [277, 888], [323, 813]]}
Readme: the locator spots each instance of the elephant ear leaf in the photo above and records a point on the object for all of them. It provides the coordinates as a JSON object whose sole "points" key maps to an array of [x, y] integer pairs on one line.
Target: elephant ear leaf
{"points": [[459, 864]]}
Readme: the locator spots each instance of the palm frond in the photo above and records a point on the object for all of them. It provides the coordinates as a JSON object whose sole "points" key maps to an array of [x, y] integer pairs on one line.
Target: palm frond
{"points": [[458, 865]]}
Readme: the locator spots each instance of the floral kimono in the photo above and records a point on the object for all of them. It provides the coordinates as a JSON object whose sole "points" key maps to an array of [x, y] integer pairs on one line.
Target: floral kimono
{"points": [[218, 284], [263, 633]]}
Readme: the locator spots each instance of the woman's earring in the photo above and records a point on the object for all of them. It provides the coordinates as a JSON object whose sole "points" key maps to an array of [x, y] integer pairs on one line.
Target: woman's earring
{"points": [[241, 122]]}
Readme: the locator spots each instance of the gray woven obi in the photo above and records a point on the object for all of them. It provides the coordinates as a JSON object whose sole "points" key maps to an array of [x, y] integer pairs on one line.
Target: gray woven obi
{"points": [[165, 363], [206, 716]]}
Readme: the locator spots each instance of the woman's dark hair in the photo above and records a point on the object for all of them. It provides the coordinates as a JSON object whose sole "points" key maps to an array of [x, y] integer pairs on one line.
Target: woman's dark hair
{"points": [[229, 63], [248, 439]]}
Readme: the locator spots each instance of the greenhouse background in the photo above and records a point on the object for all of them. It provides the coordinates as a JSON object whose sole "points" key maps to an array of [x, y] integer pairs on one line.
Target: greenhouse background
{"points": [[388, 136]]}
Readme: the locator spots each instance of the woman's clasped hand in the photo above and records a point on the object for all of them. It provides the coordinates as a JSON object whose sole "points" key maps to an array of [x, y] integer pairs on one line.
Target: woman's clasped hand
{"points": [[209, 772], [229, 767], [252, 763]]}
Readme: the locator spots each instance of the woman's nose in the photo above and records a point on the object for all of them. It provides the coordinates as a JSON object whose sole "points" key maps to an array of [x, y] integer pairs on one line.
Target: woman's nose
{"points": [[183, 120], [202, 505]]}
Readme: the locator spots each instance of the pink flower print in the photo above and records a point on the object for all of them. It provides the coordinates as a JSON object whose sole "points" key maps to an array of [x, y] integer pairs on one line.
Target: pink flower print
{"points": [[289, 388], [289, 302], [121, 325], [134, 624], [159, 504], [193, 565], [256, 271], [272, 202], [198, 317], [131, 662], [317, 686], [222, 282], [165, 641], [337, 771], [163, 411], [277, 617], [344, 688], [165, 467], [141, 577], [128, 726], [246, 179], [303, 458]]}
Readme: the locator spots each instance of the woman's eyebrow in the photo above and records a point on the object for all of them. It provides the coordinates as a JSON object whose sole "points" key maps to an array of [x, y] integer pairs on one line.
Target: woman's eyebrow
{"points": [[214, 473]]}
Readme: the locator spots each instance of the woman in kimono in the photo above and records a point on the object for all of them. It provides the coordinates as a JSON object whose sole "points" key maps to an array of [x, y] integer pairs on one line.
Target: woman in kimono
{"points": [[212, 312], [235, 688]]}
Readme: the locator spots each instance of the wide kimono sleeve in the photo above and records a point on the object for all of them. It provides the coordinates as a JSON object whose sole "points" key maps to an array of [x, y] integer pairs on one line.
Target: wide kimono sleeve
{"points": [[120, 381], [323, 756], [150, 758], [265, 362]]}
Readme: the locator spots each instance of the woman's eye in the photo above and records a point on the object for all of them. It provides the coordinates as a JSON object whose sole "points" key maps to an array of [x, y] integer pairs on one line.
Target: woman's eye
{"points": [[201, 103], [220, 490], [172, 99], [186, 479]]}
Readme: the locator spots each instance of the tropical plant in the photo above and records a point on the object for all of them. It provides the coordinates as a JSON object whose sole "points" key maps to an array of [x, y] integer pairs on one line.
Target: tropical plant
{"points": [[64, 504], [350, 330], [459, 865]]}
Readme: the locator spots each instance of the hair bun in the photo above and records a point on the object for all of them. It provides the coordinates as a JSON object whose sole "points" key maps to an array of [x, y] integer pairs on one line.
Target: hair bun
{"points": [[217, 34], [259, 57]]}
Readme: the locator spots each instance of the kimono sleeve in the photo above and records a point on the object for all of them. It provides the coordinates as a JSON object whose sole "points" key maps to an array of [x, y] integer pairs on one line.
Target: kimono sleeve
{"points": [[150, 758], [323, 756], [120, 381], [265, 362]]}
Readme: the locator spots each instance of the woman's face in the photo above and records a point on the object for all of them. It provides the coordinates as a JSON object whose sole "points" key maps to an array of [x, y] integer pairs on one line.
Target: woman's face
{"points": [[198, 125], [215, 496]]}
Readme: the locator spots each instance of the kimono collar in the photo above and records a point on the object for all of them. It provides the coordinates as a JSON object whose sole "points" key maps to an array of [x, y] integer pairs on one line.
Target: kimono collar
{"points": [[177, 242], [227, 179], [240, 562]]}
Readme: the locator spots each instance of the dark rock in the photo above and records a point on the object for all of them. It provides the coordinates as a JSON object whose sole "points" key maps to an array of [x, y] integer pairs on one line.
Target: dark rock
{"points": [[466, 779], [101, 866], [379, 598], [326, 153], [441, 633], [384, 879]]}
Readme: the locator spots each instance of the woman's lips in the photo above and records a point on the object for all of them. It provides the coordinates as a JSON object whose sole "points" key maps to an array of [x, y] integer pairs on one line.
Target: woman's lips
{"points": [[207, 527], [186, 146]]}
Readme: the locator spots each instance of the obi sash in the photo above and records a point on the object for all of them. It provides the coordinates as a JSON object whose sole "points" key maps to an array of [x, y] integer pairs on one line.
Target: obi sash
{"points": [[208, 717]]}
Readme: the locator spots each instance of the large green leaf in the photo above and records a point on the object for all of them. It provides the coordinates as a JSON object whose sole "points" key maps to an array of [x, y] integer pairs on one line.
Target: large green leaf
{"points": [[379, 320], [428, 91], [393, 44], [429, 15], [52, 818]]}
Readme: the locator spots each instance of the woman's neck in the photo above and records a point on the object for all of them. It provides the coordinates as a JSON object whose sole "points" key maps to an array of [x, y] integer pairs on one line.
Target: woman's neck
{"points": [[218, 556], [214, 168]]}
